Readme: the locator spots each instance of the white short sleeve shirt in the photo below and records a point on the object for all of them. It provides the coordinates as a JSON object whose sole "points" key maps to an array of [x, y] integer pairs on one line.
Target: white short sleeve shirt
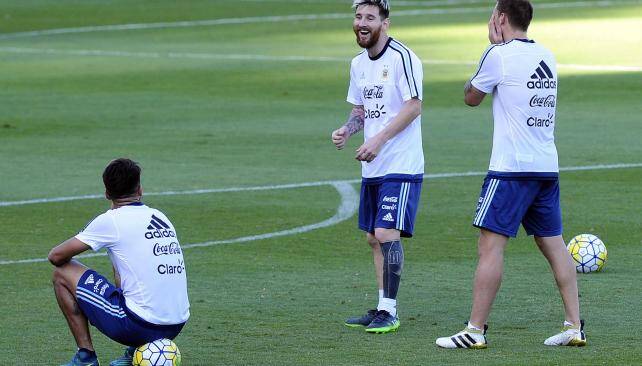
{"points": [[143, 247], [381, 85], [522, 76]]}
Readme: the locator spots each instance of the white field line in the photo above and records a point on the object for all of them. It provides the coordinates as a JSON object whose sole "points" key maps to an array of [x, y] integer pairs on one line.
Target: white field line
{"points": [[295, 17], [295, 185], [347, 208], [239, 57]]}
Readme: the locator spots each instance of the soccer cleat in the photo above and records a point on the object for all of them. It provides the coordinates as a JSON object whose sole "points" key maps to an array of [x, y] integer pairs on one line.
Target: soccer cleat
{"points": [[83, 359], [383, 323], [467, 338], [362, 321], [126, 359], [568, 337]]}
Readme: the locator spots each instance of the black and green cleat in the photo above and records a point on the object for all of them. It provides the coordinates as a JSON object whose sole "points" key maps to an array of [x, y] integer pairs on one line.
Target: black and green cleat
{"points": [[361, 321], [383, 322]]}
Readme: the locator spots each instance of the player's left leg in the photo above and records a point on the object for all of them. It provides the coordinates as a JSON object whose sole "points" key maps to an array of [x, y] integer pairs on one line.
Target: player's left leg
{"points": [[386, 319], [543, 220], [563, 269], [65, 279]]}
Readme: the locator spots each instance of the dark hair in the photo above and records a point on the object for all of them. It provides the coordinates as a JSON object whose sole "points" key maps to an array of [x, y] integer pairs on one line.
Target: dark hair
{"points": [[384, 7], [519, 12], [121, 178]]}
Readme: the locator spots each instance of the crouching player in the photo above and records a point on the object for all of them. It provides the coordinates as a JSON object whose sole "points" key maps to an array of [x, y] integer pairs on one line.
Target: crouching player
{"points": [[148, 299]]}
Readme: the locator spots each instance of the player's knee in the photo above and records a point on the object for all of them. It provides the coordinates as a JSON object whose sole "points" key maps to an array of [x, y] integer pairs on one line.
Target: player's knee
{"points": [[386, 235], [372, 241], [58, 276]]}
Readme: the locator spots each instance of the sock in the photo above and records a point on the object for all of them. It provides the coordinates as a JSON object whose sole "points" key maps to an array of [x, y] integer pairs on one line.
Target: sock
{"points": [[380, 294], [392, 267], [571, 325], [86, 355], [473, 327], [389, 305]]}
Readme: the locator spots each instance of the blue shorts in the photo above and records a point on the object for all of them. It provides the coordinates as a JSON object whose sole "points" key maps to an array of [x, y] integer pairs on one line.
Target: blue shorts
{"points": [[104, 305], [390, 202], [505, 203]]}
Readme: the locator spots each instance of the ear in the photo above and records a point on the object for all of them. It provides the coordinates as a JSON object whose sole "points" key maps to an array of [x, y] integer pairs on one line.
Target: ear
{"points": [[502, 19], [386, 24]]}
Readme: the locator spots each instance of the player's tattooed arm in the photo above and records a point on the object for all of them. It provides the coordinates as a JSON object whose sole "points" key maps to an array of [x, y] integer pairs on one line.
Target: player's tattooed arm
{"points": [[355, 124], [356, 120]]}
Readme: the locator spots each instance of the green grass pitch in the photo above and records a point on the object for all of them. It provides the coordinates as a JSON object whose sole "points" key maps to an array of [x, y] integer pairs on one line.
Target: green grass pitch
{"points": [[237, 97]]}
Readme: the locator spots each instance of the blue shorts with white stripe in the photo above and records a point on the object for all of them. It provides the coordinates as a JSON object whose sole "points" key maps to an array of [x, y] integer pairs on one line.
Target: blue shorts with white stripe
{"points": [[390, 202], [504, 203], [104, 305]]}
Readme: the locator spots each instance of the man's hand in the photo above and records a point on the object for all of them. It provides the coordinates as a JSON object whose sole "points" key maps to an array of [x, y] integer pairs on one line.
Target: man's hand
{"points": [[340, 137], [369, 150], [495, 35]]}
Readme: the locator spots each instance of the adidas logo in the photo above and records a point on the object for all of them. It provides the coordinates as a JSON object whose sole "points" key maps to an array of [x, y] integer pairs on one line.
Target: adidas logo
{"points": [[542, 78], [89, 280], [388, 217], [158, 229]]}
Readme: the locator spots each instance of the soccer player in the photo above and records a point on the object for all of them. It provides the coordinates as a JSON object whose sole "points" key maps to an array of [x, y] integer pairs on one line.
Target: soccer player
{"points": [[522, 182], [148, 299], [385, 92]]}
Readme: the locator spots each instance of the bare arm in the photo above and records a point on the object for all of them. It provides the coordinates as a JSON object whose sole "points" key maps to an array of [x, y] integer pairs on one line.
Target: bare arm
{"points": [[355, 124], [410, 110], [63, 253], [473, 96], [116, 277]]}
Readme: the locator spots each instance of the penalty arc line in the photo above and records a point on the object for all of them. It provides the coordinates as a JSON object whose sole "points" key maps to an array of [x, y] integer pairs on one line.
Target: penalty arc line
{"points": [[347, 208]]}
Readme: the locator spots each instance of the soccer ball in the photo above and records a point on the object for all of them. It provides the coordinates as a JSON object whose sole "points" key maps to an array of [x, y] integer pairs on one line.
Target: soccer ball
{"points": [[161, 352], [588, 252]]}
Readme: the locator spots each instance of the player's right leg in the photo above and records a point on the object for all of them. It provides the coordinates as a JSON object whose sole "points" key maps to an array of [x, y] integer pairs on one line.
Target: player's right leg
{"points": [[367, 216], [65, 279], [377, 257]]}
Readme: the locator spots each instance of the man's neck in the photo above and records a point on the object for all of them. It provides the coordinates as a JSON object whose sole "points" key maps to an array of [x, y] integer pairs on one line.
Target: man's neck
{"points": [[120, 202], [377, 48], [510, 35]]}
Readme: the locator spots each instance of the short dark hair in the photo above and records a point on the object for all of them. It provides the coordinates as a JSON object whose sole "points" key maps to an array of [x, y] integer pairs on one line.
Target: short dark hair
{"points": [[519, 12], [121, 178], [383, 5]]}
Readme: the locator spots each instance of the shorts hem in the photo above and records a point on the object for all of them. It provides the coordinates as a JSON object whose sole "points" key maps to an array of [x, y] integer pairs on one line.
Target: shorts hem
{"points": [[544, 234], [497, 230]]}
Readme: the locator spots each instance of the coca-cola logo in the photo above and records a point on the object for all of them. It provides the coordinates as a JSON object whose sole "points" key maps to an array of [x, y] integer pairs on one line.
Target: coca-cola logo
{"points": [[547, 101], [167, 249]]}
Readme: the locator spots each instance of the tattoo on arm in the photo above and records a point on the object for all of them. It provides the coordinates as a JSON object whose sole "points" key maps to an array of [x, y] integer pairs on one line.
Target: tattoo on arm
{"points": [[355, 121]]}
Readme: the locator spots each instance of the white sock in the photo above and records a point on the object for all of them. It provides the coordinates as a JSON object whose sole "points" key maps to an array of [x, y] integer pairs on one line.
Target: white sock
{"points": [[569, 324], [473, 327], [389, 305]]}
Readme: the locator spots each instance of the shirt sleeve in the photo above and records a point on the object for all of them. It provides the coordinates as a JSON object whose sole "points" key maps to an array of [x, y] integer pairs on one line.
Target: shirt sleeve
{"points": [[410, 74], [490, 72], [100, 232], [354, 94]]}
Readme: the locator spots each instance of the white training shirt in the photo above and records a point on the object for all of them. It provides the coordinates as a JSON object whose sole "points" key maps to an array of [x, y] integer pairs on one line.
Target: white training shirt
{"points": [[381, 85], [143, 247], [522, 76]]}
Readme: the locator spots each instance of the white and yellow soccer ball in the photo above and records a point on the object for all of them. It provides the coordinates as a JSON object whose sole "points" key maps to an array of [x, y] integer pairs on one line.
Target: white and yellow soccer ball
{"points": [[588, 252], [161, 352]]}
